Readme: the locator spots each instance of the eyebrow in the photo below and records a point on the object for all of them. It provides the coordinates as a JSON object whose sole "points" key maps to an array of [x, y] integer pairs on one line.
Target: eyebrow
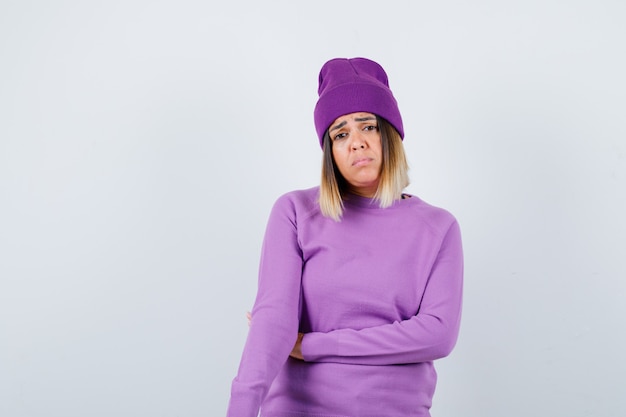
{"points": [[358, 119], [339, 126]]}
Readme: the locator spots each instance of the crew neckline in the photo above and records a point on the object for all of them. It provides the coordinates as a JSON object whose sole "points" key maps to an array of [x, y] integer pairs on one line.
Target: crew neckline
{"points": [[369, 202]]}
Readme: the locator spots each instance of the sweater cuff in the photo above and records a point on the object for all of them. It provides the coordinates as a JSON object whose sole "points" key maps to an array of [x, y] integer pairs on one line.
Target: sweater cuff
{"points": [[317, 346]]}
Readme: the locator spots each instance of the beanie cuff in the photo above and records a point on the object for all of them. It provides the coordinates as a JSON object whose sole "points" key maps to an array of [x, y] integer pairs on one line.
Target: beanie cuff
{"points": [[356, 97]]}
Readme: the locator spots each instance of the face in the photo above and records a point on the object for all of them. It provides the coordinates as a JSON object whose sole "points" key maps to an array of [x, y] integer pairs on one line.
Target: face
{"points": [[357, 151]]}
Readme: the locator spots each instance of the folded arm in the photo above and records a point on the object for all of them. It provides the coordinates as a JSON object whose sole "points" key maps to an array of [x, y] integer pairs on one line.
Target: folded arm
{"points": [[429, 335]]}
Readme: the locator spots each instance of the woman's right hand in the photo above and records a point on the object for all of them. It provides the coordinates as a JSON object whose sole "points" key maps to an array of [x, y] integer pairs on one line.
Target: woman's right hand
{"points": [[296, 352]]}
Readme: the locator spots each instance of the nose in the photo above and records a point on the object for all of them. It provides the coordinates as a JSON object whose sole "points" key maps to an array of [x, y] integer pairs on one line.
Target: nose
{"points": [[358, 140]]}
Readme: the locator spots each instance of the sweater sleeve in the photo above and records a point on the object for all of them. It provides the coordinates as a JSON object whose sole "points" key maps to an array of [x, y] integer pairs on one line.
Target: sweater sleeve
{"points": [[274, 325], [429, 335]]}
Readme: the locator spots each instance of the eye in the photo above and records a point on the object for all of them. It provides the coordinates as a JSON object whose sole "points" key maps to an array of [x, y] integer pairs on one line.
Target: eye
{"points": [[371, 128], [340, 136]]}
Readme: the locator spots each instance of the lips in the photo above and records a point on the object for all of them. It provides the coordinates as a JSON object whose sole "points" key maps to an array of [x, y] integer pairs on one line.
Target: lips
{"points": [[361, 161]]}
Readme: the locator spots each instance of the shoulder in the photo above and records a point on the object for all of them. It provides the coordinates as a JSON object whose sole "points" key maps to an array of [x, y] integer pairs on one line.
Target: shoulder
{"points": [[305, 197], [437, 218], [298, 203]]}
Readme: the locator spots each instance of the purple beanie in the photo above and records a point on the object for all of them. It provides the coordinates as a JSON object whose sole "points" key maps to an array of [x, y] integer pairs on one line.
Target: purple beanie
{"points": [[354, 85]]}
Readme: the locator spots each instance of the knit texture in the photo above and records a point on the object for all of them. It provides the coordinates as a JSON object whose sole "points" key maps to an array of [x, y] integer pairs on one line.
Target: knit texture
{"points": [[379, 289], [354, 85]]}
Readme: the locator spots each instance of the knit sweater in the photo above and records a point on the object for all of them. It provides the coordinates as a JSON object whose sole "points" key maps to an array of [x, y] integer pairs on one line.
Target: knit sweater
{"points": [[378, 296]]}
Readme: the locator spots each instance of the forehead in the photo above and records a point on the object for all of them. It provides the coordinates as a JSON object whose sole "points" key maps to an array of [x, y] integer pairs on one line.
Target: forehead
{"points": [[357, 116]]}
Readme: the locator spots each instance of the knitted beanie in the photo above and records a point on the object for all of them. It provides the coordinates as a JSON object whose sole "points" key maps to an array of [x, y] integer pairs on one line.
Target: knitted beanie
{"points": [[354, 85]]}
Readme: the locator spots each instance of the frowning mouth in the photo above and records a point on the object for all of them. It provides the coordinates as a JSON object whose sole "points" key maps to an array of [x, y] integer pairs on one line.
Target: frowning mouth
{"points": [[361, 161]]}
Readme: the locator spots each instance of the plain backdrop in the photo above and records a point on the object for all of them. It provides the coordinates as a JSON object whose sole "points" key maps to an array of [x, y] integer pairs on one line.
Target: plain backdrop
{"points": [[143, 143]]}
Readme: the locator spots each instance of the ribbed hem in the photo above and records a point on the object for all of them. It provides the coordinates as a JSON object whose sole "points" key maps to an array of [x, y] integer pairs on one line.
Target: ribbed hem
{"points": [[298, 414]]}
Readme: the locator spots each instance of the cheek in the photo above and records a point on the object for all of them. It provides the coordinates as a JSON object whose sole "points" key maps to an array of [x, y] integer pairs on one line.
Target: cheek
{"points": [[336, 153], [340, 157]]}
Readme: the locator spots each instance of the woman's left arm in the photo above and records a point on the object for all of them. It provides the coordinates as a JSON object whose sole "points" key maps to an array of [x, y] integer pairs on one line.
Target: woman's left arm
{"points": [[429, 335]]}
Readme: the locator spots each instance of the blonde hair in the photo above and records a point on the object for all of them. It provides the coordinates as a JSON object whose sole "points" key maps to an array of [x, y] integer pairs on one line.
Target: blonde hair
{"points": [[394, 173]]}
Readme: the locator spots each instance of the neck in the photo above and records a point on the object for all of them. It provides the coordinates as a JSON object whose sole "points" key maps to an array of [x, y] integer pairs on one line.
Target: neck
{"points": [[368, 192]]}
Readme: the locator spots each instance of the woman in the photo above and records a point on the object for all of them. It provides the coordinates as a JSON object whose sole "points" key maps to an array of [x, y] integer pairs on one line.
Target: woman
{"points": [[359, 284]]}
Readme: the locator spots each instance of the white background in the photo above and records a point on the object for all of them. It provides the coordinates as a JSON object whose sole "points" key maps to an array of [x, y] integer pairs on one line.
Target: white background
{"points": [[142, 144]]}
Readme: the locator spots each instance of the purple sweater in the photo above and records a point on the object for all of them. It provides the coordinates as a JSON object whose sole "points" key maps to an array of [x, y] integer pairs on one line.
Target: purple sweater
{"points": [[378, 296]]}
